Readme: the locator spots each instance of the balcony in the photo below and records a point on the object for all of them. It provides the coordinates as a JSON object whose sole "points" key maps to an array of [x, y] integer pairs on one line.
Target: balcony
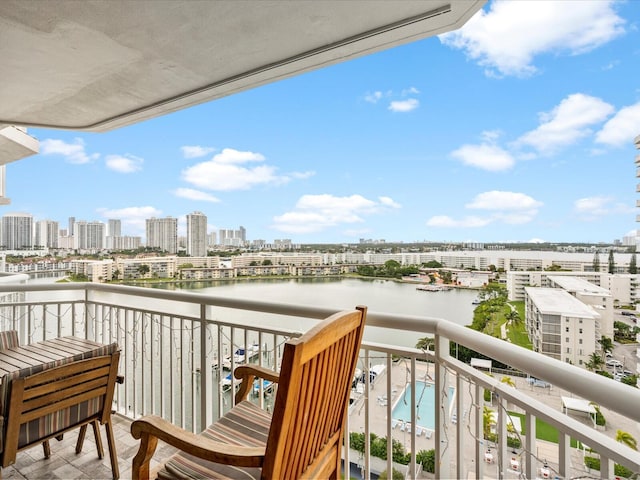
{"points": [[178, 349]]}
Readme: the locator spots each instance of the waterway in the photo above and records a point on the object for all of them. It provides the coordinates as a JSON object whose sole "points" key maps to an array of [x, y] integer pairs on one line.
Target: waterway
{"points": [[379, 295]]}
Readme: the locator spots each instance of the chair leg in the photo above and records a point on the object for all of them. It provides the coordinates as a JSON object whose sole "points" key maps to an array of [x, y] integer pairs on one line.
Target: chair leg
{"points": [[80, 442], [112, 450], [98, 437], [46, 449]]}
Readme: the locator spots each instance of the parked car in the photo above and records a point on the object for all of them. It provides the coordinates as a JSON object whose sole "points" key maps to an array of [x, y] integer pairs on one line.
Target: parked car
{"points": [[612, 362], [536, 382]]}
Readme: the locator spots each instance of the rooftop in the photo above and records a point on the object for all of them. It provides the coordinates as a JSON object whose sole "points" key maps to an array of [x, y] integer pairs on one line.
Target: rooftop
{"points": [[555, 301]]}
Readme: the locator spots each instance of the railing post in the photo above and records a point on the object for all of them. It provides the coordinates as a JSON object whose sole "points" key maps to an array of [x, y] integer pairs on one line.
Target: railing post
{"points": [[564, 450], [460, 422], [480, 441], [206, 359], [530, 445], [503, 449], [443, 465]]}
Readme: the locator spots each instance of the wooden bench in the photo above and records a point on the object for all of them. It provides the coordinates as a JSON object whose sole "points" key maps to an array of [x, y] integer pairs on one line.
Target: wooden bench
{"points": [[52, 387]]}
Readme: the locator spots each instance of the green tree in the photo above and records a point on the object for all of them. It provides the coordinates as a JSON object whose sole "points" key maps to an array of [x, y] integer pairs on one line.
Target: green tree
{"points": [[633, 269], [627, 439], [595, 362], [433, 264], [426, 343], [143, 269], [612, 264], [606, 344], [267, 262], [596, 262], [508, 381], [428, 460], [487, 421]]}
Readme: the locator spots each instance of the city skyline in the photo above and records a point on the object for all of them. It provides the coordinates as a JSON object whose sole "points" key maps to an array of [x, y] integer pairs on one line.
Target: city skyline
{"points": [[517, 127]]}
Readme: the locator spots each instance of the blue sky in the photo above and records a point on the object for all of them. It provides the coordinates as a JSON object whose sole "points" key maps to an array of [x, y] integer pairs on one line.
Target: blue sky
{"points": [[517, 127]]}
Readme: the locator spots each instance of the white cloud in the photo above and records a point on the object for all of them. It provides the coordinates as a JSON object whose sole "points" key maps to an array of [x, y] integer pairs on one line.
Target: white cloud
{"points": [[410, 91], [133, 218], [389, 202], [73, 152], [512, 208], [567, 123], [593, 208], [124, 163], [314, 213], [196, 151], [226, 172], [622, 128], [373, 97], [497, 200], [506, 38], [404, 105], [302, 175], [444, 221], [191, 194], [485, 157]]}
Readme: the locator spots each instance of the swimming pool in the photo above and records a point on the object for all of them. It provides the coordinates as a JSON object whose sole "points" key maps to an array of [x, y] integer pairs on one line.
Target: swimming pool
{"points": [[425, 404]]}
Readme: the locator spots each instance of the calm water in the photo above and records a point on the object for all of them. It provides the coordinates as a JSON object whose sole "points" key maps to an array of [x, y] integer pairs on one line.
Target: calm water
{"points": [[384, 296]]}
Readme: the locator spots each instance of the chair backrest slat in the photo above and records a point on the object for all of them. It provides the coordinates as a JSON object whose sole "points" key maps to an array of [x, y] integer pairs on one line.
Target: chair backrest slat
{"points": [[305, 439]]}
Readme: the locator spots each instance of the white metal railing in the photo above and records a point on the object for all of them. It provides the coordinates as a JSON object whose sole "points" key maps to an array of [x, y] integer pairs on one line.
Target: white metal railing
{"points": [[179, 347]]}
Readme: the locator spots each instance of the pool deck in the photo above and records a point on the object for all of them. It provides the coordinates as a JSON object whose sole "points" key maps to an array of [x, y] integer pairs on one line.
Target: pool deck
{"points": [[545, 451]]}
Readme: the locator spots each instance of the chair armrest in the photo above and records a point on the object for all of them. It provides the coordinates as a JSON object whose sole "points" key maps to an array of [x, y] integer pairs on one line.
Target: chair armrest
{"points": [[248, 373], [151, 428]]}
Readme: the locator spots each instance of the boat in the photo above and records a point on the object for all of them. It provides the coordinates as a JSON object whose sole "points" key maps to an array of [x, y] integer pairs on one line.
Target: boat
{"points": [[241, 355], [476, 301], [433, 288]]}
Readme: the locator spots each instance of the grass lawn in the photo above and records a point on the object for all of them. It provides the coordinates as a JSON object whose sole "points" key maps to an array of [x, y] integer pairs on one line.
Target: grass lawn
{"points": [[544, 431]]}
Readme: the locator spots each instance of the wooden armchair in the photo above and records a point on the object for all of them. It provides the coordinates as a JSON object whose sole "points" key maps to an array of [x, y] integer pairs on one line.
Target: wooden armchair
{"points": [[301, 439]]}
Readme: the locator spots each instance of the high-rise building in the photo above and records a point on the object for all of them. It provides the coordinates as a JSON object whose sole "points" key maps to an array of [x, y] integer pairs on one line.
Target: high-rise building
{"points": [[234, 238], [197, 234], [46, 234], [72, 222], [17, 231], [89, 235], [114, 228], [162, 233]]}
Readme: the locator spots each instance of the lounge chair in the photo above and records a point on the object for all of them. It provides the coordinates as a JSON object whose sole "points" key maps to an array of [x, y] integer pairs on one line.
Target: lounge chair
{"points": [[301, 439]]}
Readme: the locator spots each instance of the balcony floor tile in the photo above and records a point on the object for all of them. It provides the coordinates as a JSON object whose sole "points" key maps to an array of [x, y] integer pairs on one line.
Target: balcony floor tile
{"points": [[65, 464]]}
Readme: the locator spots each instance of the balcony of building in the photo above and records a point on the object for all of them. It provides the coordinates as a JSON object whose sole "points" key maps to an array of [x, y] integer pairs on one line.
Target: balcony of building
{"points": [[177, 350]]}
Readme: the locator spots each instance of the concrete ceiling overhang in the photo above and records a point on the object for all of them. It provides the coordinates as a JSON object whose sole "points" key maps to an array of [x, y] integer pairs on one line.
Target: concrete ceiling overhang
{"points": [[99, 65]]}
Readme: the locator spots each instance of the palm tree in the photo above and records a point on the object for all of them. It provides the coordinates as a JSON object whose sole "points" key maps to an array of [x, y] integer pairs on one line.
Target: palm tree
{"points": [[606, 344], [627, 439], [487, 421], [595, 362], [426, 343], [509, 381]]}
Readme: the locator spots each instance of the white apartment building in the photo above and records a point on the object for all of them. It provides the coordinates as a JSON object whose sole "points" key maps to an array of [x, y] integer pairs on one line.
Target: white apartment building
{"points": [[197, 234], [162, 233], [622, 287], [114, 227], [94, 270], [17, 231], [560, 325], [88, 235], [598, 298], [159, 267], [123, 243], [46, 234]]}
